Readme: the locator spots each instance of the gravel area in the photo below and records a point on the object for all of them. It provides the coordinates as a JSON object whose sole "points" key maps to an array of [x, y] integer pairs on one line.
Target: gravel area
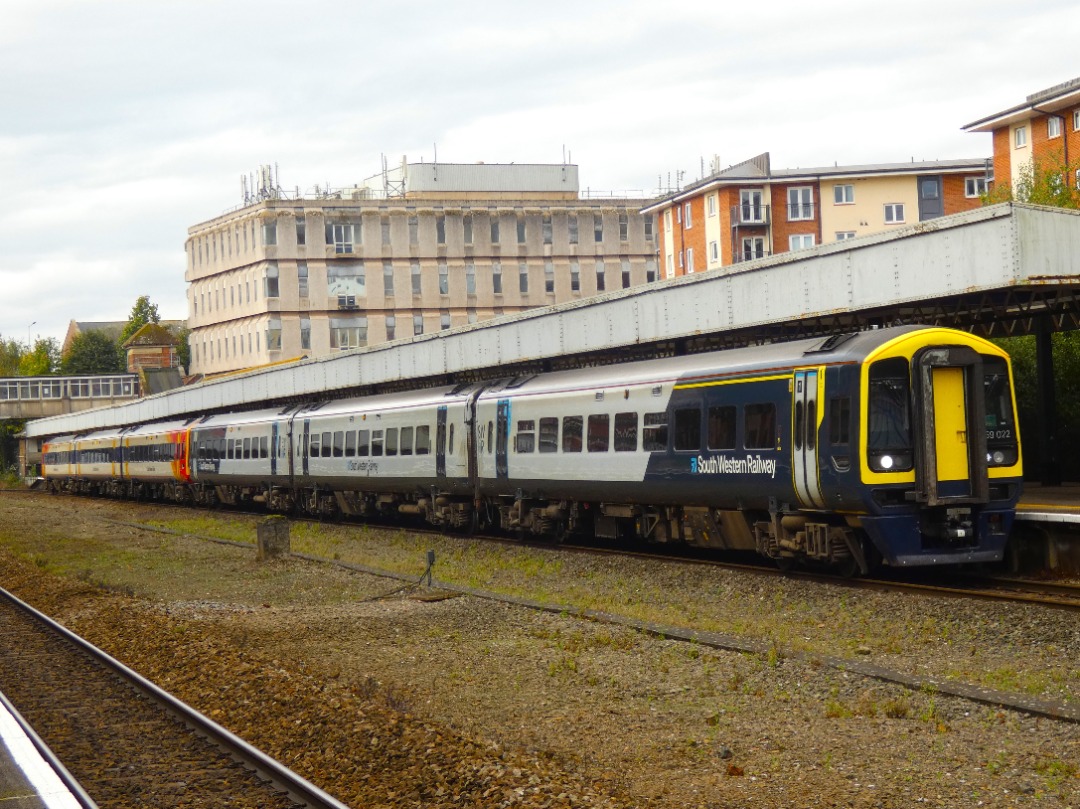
{"points": [[422, 698]]}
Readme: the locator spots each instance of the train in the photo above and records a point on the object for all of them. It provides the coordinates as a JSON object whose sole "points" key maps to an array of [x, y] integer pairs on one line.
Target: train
{"points": [[887, 447]]}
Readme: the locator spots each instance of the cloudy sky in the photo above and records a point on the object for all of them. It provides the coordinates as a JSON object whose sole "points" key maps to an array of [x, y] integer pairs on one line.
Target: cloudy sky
{"points": [[124, 122]]}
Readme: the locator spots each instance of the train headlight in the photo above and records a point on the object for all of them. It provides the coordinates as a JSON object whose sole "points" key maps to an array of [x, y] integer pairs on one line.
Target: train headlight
{"points": [[998, 457], [886, 462]]}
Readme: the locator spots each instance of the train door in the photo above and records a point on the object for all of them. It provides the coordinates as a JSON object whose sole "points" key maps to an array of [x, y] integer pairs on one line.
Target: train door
{"points": [[304, 444], [440, 442], [805, 439], [952, 454], [275, 438], [502, 439]]}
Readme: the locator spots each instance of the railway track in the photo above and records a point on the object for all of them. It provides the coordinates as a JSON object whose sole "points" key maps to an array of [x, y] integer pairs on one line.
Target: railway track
{"points": [[125, 741]]}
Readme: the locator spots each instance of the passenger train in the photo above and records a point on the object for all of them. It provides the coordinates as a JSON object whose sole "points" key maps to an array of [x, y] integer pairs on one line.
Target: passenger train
{"points": [[895, 446]]}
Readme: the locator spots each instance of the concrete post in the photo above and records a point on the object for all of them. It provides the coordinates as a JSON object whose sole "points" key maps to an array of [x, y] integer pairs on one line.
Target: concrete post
{"points": [[273, 538]]}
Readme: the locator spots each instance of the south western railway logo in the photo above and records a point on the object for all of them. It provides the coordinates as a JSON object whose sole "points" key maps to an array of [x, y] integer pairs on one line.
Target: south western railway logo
{"points": [[733, 465]]}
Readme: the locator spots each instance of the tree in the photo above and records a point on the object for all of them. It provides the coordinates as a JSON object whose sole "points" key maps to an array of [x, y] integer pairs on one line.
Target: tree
{"points": [[42, 360], [183, 349], [1041, 182], [93, 352], [142, 312], [10, 354]]}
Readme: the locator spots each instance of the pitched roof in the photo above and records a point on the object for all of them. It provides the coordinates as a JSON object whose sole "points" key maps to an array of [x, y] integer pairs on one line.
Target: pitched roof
{"points": [[152, 334]]}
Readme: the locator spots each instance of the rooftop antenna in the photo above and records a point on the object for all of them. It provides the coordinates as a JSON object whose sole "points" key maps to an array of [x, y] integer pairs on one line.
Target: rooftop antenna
{"points": [[435, 167]]}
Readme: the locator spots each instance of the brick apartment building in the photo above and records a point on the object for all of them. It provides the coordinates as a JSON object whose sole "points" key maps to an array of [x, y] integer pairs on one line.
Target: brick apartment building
{"points": [[1044, 129], [751, 210]]}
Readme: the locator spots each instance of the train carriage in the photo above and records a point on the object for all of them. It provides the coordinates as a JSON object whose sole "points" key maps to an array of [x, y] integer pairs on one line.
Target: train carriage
{"points": [[894, 445]]}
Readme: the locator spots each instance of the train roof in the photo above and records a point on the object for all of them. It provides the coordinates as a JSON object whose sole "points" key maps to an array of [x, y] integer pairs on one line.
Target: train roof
{"points": [[839, 348]]}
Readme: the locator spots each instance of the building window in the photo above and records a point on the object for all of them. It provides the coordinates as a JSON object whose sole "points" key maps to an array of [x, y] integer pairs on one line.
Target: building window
{"points": [[667, 219], [894, 213], [710, 204], [753, 247], [974, 187], [842, 235], [414, 230], [751, 204], [269, 235], [600, 284], [843, 194], [650, 270], [545, 226], [470, 279], [305, 333], [440, 229], [1020, 137], [523, 278], [801, 241], [572, 229], [494, 229], [714, 251], [273, 336], [466, 227], [648, 227], [575, 276], [444, 279], [272, 281], [384, 226], [670, 266], [549, 277], [346, 281], [444, 321], [301, 279], [1053, 127], [388, 279], [1076, 120], [342, 236], [391, 327], [496, 278], [688, 218], [417, 324], [349, 332], [626, 273], [800, 204], [301, 233], [689, 259], [415, 273], [624, 227], [598, 228], [521, 229]]}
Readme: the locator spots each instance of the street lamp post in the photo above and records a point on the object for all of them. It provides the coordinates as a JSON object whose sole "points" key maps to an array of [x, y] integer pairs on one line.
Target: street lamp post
{"points": [[29, 338]]}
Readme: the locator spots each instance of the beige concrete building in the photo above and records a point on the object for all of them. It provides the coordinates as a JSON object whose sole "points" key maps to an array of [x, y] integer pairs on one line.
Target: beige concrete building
{"points": [[417, 249]]}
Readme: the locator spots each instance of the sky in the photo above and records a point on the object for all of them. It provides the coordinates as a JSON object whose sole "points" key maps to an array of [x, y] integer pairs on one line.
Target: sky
{"points": [[125, 122]]}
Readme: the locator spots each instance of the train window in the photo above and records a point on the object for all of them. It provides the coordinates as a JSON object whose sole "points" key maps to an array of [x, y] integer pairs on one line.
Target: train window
{"points": [[245, 451], [811, 425], [626, 432], [599, 432], [721, 427], [491, 437], [350, 444], [889, 445], [525, 441], [1001, 446], [450, 444], [571, 433], [264, 447], [220, 448], [688, 428], [339, 443], [230, 449], [363, 447], [423, 440], [391, 441], [549, 435], [406, 440], [376, 442], [327, 444], [654, 432], [760, 424], [314, 451], [840, 420]]}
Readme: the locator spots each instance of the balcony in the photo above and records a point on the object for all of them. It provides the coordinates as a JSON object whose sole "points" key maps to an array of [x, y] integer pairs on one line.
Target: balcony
{"points": [[750, 215]]}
